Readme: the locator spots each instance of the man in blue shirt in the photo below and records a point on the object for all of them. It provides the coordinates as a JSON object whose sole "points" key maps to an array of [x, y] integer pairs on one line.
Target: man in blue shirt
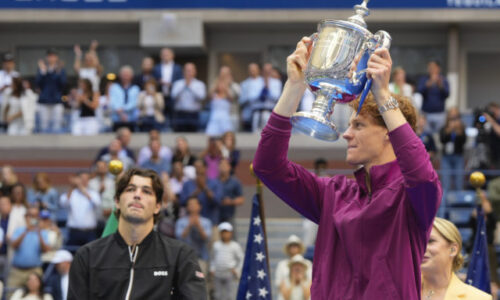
{"points": [[157, 163], [232, 193], [196, 231], [208, 192], [434, 89], [28, 243]]}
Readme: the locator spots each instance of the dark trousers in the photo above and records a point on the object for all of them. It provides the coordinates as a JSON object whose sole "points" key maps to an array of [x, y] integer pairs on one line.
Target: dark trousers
{"points": [[78, 237], [186, 121]]}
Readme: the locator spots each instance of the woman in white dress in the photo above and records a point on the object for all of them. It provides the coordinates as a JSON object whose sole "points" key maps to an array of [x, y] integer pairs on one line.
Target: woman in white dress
{"points": [[220, 110], [19, 108]]}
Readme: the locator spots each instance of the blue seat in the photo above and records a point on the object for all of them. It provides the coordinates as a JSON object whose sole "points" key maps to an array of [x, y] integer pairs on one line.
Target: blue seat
{"points": [[461, 198], [459, 215]]}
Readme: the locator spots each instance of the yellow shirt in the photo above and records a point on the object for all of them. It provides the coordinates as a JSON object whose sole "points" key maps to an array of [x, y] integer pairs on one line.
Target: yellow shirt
{"points": [[458, 290]]}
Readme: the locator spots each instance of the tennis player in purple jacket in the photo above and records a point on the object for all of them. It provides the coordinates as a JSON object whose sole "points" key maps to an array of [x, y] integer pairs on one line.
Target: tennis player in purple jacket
{"points": [[373, 229]]}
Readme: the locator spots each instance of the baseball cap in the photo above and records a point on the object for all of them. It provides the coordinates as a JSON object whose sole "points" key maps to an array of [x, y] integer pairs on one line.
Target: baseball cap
{"points": [[62, 256], [8, 57], [225, 226], [44, 214]]}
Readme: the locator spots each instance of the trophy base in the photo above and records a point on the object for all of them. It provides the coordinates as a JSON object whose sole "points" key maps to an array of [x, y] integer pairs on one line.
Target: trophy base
{"points": [[315, 126]]}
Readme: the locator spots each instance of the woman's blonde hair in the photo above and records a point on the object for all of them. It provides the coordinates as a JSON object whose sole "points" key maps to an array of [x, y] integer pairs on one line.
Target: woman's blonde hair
{"points": [[451, 234]]}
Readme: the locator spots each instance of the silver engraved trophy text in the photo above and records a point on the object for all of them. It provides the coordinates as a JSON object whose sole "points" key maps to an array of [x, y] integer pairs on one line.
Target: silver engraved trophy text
{"points": [[336, 71]]}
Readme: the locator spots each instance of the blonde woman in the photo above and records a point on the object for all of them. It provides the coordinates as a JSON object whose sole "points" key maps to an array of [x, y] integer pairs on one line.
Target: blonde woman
{"points": [[441, 260]]}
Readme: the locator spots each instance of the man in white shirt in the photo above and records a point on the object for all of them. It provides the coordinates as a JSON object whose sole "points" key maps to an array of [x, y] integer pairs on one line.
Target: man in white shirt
{"points": [[83, 205], [104, 184], [188, 95], [6, 75], [258, 95], [166, 73]]}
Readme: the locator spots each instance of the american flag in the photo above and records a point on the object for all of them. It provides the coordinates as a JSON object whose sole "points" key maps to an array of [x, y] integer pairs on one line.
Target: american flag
{"points": [[255, 282], [478, 274]]}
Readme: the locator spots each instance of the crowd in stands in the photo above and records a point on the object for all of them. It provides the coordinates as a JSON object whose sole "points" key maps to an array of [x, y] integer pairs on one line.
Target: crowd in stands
{"points": [[164, 96], [40, 226]]}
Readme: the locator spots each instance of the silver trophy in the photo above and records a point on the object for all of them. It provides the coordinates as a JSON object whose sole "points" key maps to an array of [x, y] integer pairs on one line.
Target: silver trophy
{"points": [[336, 71]]}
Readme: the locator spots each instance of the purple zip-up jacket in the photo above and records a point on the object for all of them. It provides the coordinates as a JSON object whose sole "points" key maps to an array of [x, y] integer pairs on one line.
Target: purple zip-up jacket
{"points": [[369, 246]]}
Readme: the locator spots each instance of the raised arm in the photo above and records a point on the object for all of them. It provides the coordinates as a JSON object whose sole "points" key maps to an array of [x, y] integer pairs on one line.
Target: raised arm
{"points": [[295, 185], [421, 180]]}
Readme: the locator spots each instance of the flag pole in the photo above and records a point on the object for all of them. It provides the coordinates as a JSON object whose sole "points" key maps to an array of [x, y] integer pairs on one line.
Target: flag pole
{"points": [[259, 186]]}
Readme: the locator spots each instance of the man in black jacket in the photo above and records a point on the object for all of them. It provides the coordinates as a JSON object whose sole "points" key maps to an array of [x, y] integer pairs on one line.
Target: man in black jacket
{"points": [[136, 262]]}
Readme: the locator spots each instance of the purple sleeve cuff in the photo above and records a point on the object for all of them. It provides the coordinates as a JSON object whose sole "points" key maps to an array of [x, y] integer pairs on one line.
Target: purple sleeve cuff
{"points": [[279, 123]]}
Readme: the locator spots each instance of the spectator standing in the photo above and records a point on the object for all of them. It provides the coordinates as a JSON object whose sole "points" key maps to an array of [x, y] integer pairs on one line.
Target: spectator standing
{"points": [[220, 110], [88, 102], [104, 184], [43, 194], [18, 109], [146, 74], [188, 94], [91, 69], [434, 89], [212, 156], [250, 92], [196, 231], [83, 205], [493, 118], [178, 178], [58, 280], [226, 264], [124, 96], [5, 209], [145, 152], [19, 206], [157, 163], [399, 86], [51, 79], [33, 289], [166, 73], [151, 106], [7, 73], [426, 136], [298, 285], [269, 93], [183, 154], [226, 76], [207, 191], [229, 151], [103, 111], [232, 193], [453, 138], [28, 243]]}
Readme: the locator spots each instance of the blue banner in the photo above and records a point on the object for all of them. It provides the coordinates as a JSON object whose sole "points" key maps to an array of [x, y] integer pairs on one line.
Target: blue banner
{"points": [[243, 4]]}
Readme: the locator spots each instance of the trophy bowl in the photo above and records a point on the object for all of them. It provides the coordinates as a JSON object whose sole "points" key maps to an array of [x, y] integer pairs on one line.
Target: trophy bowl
{"points": [[336, 71]]}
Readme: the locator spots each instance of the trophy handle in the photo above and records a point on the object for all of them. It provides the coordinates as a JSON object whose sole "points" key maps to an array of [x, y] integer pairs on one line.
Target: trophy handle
{"points": [[381, 39]]}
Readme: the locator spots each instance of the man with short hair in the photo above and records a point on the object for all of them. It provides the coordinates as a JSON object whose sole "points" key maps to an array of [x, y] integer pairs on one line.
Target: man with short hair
{"points": [[104, 184], [124, 135], [83, 205], [157, 163], [51, 79], [28, 243], [136, 262], [188, 95], [435, 90], [232, 193], [123, 96]]}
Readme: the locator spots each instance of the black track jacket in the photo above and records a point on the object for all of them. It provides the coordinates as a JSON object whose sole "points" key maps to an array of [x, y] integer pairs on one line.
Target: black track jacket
{"points": [[160, 268]]}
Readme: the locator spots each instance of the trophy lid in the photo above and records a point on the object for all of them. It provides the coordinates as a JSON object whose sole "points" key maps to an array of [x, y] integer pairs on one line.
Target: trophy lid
{"points": [[361, 12]]}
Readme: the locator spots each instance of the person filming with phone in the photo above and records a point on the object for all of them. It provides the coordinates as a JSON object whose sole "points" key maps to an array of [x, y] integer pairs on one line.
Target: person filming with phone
{"points": [[28, 242]]}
